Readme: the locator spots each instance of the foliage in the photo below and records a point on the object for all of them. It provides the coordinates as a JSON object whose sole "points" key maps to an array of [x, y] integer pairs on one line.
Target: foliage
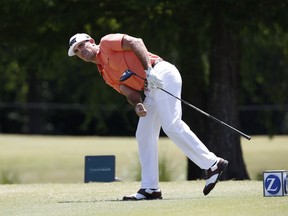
{"points": [[8, 177], [35, 67]]}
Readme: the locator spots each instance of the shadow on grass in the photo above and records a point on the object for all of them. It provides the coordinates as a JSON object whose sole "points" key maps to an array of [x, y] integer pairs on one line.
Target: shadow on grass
{"points": [[120, 200]]}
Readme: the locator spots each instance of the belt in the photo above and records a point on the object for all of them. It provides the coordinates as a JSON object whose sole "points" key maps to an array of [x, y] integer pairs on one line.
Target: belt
{"points": [[156, 62]]}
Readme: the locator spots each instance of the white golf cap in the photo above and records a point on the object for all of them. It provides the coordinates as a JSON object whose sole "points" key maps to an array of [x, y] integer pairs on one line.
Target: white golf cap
{"points": [[76, 39]]}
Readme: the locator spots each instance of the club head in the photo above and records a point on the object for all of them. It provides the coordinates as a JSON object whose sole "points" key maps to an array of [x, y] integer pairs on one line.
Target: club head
{"points": [[126, 75]]}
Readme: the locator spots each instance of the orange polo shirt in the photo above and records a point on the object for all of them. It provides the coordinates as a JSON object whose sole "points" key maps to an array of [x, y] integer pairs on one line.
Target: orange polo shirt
{"points": [[113, 61]]}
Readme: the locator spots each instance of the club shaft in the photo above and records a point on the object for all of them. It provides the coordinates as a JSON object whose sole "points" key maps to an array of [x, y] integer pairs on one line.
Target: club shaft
{"points": [[208, 115], [204, 113]]}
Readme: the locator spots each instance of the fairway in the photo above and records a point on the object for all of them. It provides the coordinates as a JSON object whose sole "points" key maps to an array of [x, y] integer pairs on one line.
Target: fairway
{"points": [[60, 159], [180, 198]]}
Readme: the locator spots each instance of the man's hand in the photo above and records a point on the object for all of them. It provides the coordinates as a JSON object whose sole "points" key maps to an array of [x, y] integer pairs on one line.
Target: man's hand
{"points": [[140, 110], [135, 99], [152, 79]]}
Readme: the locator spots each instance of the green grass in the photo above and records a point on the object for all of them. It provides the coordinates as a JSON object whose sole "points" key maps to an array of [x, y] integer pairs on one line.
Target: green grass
{"points": [[57, 159], [262, 153], [50, 171], [180, 198]]}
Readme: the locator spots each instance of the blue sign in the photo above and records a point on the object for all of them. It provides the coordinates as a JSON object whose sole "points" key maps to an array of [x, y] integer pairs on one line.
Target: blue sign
{"points": [[272, 184], [99, 168]]}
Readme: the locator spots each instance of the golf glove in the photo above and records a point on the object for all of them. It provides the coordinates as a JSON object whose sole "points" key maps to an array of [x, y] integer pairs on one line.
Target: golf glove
{"points": [[153, 81]]}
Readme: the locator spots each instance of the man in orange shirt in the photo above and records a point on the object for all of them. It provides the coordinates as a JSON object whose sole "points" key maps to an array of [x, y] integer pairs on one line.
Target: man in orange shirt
{"points": [[117, 53]]}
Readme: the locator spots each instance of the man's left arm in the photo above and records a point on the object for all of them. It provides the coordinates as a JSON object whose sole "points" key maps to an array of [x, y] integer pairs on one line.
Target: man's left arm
{"points": [[138, 47]]}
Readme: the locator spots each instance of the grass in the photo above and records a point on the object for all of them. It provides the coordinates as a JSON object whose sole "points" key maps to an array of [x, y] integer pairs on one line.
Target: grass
{"points": [[180, 198], [58, 159], [50, 171], [52, 159], [263, 153]]}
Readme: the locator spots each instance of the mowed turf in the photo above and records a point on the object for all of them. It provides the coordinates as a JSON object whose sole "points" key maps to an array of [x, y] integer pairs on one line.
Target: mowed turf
{"points": [[50, 173], [180, 198], [60, 159]]}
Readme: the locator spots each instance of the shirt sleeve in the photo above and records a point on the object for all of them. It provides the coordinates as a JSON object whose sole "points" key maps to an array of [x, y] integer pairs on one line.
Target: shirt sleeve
{"points": [[113, 42]]}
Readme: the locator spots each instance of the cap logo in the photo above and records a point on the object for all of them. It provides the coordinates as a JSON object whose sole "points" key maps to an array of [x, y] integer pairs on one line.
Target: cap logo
{"points": [[72, 41]]}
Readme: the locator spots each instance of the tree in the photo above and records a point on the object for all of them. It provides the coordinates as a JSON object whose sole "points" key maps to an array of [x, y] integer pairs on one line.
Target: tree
{"points": [[224, 93], [230, 20], [229, 53]]}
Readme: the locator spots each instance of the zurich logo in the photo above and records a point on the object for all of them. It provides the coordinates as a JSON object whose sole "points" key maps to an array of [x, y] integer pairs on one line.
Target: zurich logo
{"points": [[272, 184]]}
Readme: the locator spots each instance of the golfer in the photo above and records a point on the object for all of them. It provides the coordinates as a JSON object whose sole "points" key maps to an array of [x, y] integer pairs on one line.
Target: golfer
{"points": [[117, 53]]}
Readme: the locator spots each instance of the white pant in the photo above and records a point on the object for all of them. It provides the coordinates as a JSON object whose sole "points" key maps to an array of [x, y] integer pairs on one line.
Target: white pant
{"points": [[165, 111]]}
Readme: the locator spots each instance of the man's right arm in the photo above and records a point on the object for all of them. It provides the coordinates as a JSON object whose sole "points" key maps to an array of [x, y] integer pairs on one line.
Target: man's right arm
{"points": [[134, 98]]}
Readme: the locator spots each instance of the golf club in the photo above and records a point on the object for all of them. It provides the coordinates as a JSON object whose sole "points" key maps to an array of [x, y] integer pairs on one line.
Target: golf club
{"points": [[127, 74]]}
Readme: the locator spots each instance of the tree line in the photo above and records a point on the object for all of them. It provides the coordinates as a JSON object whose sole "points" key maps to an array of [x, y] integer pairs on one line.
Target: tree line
{"points": [[232, 56]]}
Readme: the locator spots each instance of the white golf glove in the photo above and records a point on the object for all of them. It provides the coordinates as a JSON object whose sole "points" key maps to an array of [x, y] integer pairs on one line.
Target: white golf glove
{"points": [[153, 81]]}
